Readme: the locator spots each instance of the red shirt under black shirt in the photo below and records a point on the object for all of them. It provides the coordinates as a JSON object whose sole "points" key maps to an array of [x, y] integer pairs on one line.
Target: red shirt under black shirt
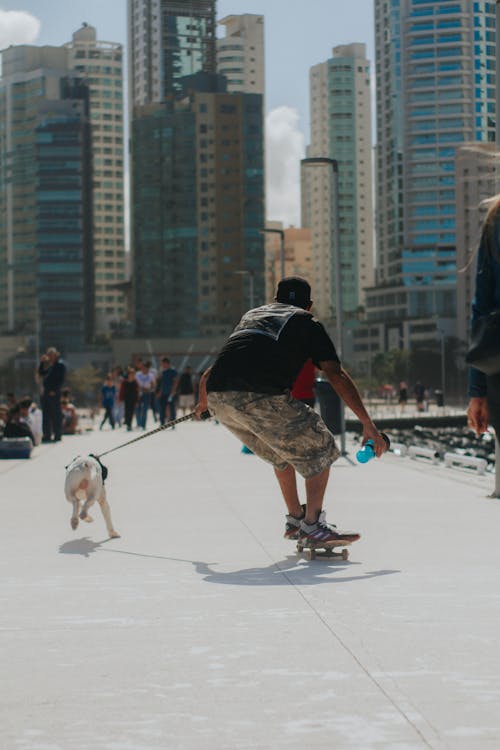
{"points": [[268, 348]]}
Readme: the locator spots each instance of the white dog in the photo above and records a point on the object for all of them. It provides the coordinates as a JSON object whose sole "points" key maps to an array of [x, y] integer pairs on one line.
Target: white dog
{"points": [[85, 483]]}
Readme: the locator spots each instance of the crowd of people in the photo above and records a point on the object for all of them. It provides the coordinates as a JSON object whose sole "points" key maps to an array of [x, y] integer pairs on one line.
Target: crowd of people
{"points": [[127, 395], [141, 388], [21, 419]]}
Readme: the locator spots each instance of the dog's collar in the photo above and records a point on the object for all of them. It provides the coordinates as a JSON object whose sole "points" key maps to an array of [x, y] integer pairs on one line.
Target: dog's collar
{"points": [[104, 469]]}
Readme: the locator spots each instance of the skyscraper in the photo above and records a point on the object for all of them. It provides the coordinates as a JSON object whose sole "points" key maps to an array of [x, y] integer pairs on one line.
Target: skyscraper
{"points": [[340, 130], [168, 40], [197, 180], [46, 258], [435, 91], [101, 63], [240, 53]]}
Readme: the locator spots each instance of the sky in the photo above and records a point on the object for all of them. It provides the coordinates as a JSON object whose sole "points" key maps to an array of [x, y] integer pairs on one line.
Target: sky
{"points": [[298, 35]]}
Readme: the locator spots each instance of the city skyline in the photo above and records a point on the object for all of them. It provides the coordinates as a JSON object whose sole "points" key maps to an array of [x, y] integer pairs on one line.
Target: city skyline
{"points": [[309, 40]]}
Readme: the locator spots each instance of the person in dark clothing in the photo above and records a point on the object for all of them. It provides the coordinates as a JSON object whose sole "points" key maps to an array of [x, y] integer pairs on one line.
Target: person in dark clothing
{"points": [[419, 392], [15, 427], [185, 389], [129, 396], [52, 370], [108, 395], [248, 390], [484, 390], [167, 389]]}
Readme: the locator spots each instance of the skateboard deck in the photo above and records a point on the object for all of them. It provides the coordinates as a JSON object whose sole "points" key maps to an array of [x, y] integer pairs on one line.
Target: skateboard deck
{"points": [[312, 550]]}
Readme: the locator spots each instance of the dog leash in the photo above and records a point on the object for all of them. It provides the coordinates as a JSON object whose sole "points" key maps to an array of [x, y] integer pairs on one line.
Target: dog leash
{"points": [[172, 423]]}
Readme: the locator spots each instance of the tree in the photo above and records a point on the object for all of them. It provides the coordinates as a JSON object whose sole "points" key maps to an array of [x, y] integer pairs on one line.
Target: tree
{"points": [[84, 384], [391, 367]]}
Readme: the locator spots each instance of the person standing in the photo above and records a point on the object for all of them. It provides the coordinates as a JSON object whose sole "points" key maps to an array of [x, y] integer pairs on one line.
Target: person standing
{"points": [[118, 378], [108, 394], [248, 390], [484, 390], [185, 390], [146, 381], [168, 381], [303, 388], [129, 396], [403, 395], [419, 392], [52, 371]]}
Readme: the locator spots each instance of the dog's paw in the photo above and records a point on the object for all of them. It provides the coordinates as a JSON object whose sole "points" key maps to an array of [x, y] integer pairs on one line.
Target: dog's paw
{"points": [[86, 518], [74, 523], [114, 535]]}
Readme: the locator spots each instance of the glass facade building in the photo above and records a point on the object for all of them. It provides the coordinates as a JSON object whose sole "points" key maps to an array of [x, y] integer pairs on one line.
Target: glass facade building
{"points": [[64, 277], [46, 257], [197, 219], [435, 91], [197, 177], [168, 40]]}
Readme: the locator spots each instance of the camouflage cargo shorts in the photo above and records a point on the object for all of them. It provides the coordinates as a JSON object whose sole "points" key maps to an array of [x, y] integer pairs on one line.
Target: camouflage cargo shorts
{"points": [[279, 429]]}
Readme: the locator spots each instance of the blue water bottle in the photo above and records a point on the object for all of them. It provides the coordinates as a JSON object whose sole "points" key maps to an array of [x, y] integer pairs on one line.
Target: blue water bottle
{"points": [[366, 453]]}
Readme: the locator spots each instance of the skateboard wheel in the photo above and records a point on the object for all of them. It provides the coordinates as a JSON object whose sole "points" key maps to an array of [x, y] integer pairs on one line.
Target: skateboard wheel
{"points": [[345, 554], [310, 554], [300, 548]]}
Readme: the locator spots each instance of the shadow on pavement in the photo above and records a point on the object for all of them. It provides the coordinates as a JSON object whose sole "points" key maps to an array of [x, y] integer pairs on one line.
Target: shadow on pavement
{"points": [[84, 546], [293, 570]]}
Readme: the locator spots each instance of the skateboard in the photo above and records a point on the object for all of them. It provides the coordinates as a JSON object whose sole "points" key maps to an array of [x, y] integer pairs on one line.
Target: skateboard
{"points": [[312, 550]]}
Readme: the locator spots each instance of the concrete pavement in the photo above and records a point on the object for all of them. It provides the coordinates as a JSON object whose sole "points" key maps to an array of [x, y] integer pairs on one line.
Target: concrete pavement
{"points": [[202, 628]]}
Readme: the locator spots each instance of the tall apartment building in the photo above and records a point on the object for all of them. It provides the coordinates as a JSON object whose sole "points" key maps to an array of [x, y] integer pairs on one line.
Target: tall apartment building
{"points": [[46, 255], [340, 130], [168, 40], [435, 66], [240, 53], [197, 177], [101, 63]]}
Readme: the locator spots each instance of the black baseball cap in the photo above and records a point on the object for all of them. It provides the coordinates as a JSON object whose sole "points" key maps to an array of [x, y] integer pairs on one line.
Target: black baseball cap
{"points": [[293, 290]]}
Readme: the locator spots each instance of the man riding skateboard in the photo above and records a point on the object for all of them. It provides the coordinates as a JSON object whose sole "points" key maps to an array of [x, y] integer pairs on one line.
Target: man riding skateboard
{"points": [[248, 390]]}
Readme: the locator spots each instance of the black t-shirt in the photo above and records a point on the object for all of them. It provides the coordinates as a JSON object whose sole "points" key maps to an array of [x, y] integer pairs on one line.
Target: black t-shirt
{"points": [[185, 386], [268, 348]]}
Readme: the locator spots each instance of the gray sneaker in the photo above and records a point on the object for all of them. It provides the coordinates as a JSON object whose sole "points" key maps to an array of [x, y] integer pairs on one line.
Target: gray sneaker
{"points": [[322, 532], [293, 525]]}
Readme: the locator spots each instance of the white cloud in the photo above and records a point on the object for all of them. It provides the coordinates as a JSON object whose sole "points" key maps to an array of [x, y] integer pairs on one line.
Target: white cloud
{"points": [[284, 150], [18, 27]]}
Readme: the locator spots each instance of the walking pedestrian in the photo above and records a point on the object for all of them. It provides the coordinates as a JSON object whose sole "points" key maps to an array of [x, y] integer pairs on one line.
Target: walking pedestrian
{"points": [[118, 377], [419, 392], [146, 381], [52, 371], [108, 394], [403, 395], [248, 390], [484, 390], [129, 396], [167, 389], [185, 389]]}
